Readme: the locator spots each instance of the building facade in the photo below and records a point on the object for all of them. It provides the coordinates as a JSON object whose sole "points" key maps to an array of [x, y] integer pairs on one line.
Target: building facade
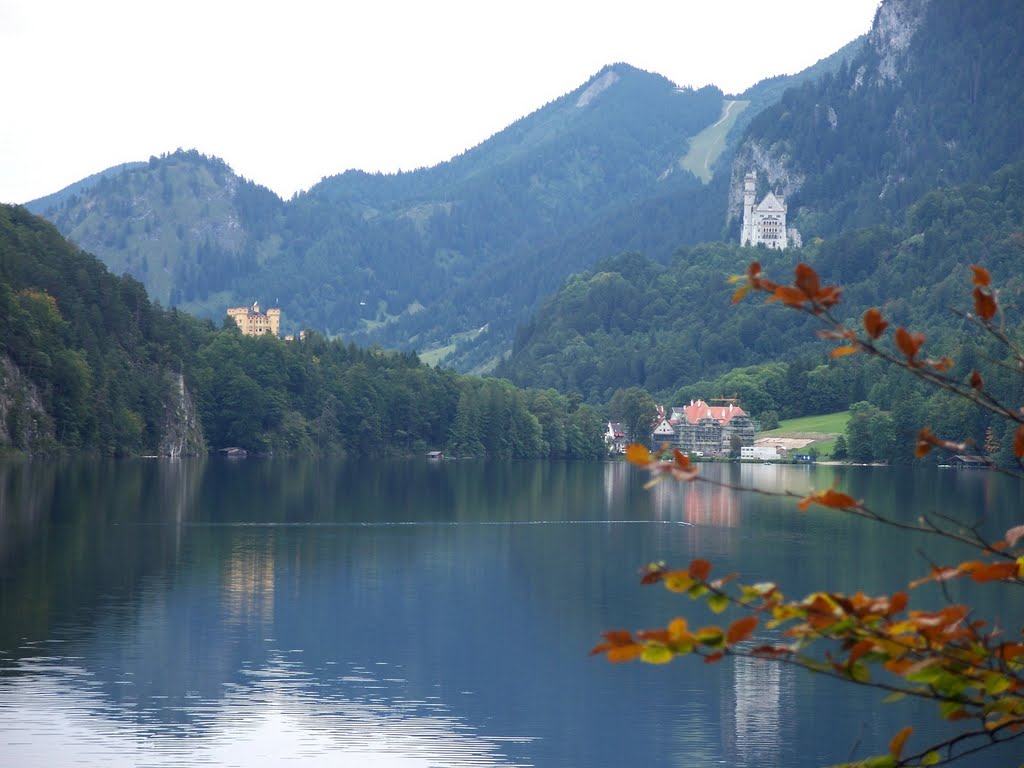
{"points": [[704, 429], [763, 222], [252, 322]]}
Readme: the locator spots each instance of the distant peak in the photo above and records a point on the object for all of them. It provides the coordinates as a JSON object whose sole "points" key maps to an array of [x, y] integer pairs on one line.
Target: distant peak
{"points": [[601, 83]]}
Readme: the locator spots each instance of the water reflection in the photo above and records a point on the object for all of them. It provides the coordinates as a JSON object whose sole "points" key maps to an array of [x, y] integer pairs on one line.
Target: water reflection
{"points": [[408, 613]]}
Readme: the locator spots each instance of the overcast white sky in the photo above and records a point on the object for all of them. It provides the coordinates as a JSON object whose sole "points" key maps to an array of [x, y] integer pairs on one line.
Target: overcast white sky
{"points": [[290, 91]]}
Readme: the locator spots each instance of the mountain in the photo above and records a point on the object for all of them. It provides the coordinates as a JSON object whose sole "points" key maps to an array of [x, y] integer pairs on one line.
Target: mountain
{"points": [[934, 98], [445, 260]]}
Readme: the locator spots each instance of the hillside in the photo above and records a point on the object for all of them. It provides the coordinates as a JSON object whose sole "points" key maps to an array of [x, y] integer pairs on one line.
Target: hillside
{"points": [[932, 99], [434, 259], [89, 365]]}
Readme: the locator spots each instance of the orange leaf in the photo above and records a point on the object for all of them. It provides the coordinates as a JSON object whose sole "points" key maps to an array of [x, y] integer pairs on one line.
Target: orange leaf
{"points": [[791, 297], [844, 351], [981, 276], [713, 657], [1010, 651], [976, 381], [982, 572], [896, 745], [740, 292], [873, 323], [807, 280], [637, 453], [740, 629], [830, 498], [621, 653], [897, 603], [699, 569], [1018, 442], [984, 304], [908, 343]]}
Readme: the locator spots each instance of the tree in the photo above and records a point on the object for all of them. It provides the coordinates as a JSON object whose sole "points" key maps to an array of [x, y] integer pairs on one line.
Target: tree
{"points": [[972, 670], [636, 409]]}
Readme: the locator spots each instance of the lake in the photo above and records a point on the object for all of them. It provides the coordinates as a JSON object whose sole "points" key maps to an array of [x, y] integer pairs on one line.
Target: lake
{"points": [[418, 613]]}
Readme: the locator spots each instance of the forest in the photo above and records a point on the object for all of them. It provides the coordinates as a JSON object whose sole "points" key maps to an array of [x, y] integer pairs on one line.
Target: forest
{"points": [[91, 365], [673, 331]]}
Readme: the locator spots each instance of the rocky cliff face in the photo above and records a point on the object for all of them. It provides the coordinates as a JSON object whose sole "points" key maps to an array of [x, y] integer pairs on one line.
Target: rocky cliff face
{"points": [[24, 424], [181, 432], [895, 25]]}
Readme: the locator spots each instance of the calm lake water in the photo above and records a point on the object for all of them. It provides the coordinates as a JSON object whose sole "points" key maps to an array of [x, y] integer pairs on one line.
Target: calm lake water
{"points": [[401, 614]]}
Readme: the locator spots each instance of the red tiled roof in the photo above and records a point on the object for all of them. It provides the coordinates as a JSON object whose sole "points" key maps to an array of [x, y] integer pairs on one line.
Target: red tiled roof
{"points": [[698, 410]]}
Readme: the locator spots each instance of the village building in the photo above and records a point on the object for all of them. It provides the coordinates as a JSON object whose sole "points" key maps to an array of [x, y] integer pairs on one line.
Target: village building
{"points": [[759, 453], [704, 429], [615, 437], [763, 222], [252, 322]]}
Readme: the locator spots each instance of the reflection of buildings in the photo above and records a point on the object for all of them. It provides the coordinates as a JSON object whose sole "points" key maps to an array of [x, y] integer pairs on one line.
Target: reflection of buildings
{"points": [[249, 584], [697, 503], [757, 731]]}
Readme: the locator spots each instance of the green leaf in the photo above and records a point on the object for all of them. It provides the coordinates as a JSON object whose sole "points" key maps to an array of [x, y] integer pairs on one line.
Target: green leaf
{"points": [[860, 672], [656, 654], [949, 708], [697, 590], [894, 697], [996, 684], [932, 758], [718, 602]]}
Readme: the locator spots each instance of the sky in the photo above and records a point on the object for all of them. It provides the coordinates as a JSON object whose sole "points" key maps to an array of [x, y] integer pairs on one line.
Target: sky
{"points": [[292, 91]]}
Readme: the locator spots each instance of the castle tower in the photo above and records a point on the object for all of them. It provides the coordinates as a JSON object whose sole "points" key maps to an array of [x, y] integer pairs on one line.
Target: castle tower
{"points": [[749, 190]]}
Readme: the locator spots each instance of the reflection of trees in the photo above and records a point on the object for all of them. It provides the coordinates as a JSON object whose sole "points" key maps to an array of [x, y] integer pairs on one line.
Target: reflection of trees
{"points": [[69, 533]]}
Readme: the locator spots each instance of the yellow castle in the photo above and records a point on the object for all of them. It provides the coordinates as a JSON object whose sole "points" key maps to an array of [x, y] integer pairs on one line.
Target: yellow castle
{"points": [[253, 322]]}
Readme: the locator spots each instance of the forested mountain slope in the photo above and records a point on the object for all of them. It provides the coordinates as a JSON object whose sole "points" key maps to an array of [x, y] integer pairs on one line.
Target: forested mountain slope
{"points": [[459, 252], [935, 98], [674, 331], [89, 364]]}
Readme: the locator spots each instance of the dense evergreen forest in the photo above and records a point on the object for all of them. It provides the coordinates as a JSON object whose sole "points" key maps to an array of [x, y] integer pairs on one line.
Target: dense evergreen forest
{"points": [[90, 364], [674, 331]]}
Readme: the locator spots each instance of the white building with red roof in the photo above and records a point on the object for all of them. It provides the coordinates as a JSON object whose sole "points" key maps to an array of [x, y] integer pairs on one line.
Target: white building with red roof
{"points": [[702, 428]]}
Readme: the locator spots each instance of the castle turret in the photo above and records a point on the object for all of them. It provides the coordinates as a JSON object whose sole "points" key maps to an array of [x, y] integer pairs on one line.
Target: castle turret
{"points": [[749, 190]]}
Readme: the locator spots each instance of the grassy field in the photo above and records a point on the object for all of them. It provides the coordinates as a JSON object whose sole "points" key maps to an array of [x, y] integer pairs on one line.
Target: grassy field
{"points": [[707, 145], [829, 423]]}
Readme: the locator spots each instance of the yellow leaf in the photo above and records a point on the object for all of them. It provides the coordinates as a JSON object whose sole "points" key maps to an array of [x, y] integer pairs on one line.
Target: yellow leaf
{"points": [[718, 602], [677, 581]]}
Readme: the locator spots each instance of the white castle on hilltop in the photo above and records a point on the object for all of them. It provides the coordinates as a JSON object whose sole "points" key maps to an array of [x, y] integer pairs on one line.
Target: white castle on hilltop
{"points": [[763, 222]]}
